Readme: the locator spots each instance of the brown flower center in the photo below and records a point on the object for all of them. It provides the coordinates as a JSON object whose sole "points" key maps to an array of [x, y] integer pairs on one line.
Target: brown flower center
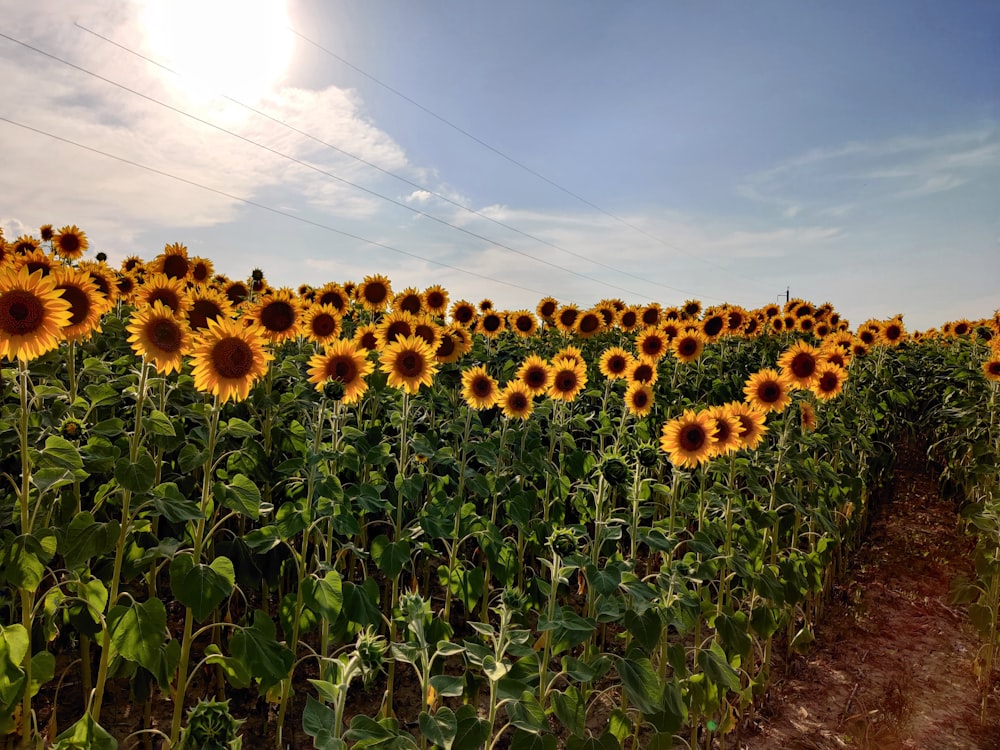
{"points": [[769, 392], [617, 364], [517, 402], [237, 292], [79, 304], [523, 323], [828, 382], [803, 365], [342, 369], [324, 325], [277, 316], [20, 312], [232, 358], [692, 438], [714, 325], [447, 346], [687, 347], [491, 323], [375, 292], [482, 387], [165, 335], [411, 303], [589, 323], [167, 296], [410, 365], [202, 311], [643, 373], [565, 381], [425, 332], [652, 345], [69, 243], [176, 266]]}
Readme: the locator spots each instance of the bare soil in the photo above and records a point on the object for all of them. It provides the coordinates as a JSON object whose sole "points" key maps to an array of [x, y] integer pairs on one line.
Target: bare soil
{"points": [[893, 663]]}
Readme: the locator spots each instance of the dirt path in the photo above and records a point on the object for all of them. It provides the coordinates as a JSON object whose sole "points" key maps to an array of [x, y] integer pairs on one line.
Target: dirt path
{"points": [[893, 665]]}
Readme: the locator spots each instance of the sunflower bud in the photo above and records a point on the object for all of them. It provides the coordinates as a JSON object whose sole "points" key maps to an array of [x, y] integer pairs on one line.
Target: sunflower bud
{"points": [[101, 257], [563, 541], [513, 599], [614, 471], [333, 390], [648, 456], [371, 649], [71, 429]]}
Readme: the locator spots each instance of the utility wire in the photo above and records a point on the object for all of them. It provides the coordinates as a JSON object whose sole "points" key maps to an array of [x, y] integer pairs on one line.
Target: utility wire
{"points": [[515, 162], [271, 209], [390, 173], [317, 169]]}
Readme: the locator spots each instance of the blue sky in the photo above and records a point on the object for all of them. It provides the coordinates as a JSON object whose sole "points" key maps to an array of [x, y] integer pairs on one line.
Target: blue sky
{"points": [[643, 150]]}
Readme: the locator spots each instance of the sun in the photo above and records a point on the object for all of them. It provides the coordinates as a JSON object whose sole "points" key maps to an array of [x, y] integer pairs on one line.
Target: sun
{"points": [[238, 48]]}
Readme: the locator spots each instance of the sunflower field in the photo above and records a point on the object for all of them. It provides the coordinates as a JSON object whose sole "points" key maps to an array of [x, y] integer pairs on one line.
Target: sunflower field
{"points": [[349, 516]]}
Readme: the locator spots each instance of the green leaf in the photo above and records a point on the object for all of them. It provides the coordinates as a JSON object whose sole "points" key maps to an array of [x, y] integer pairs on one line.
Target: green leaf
{"points": [[201, 587], [286, 616], [733, 632], [171, 503], [317, 722], [257, 647], [640, 683], [619, 724], [158, 423], [235, 670], [471, 732], [524, 740], [606, 741], [85, 734], [138, 631], [325, 595], [241, 495], [361, 603], [715, 665], [440, 728], [365, 732], [645, 628], [60, 453], [84, 538], [190, 458], [390, 556], [448, 686], [570, 708], [527, 713], [24, 559], [239, 428], [136, 477]]}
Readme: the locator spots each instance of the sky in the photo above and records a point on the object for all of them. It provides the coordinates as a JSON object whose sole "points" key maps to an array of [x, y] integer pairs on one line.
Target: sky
{"points": [[647, 151]]}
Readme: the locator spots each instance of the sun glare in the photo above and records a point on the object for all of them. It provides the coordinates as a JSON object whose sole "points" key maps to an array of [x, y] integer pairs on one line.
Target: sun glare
{"points": [[239, 48]]}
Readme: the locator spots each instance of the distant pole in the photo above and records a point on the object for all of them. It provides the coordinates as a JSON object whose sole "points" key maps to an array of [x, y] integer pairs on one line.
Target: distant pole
{"points": [[788, 291]]}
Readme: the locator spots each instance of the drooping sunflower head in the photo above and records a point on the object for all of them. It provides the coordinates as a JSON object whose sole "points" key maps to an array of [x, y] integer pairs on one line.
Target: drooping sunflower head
{"points": [[375, 292], [547, 308], [639, 398], [807, 416], [652, 345], [32, 314], [86, 303], [344, 362], [491, 324], [436, 300], [688, 345], [588, 324], [409, 362], [279, 315], [516, 400], [229, 357], [768, 390], [729, 429], [160, 336], [523, 323], [205, 304], [322, 324], [829, 381], [536, 374], [409, 300], [479, 389], [752, 421], [800, 362], [464, 313], [689, 440], [614, 362], [568, 379], [70, 242], [45, 232]]}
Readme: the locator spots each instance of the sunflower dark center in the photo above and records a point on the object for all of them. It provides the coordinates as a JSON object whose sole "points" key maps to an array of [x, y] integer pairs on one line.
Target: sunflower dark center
{"points": [[277, 316], [166, 296], [43, 266], [69, 243], [714, 325], [411, 303], [447, 347], [20, 313], [803, 365], [435, 300], [202, 311], [425, 332], [993, 367], [617, 364], [589, 324], [651, 317], [368, 341], [640, 399], [343, 369], [769, 392], [568, 317], [165, 335], [200, 272], [397, 329], [176, 266], [535, 377], [643, 373], [517, 402], [828, 382], [548, 309], [375, 292], [523, 323], [692, 438], [491, 323], [464, 314], [232, 358], [629, 319], [237, 293], [565, 381], [324, 325], [724, 431], [482, 387], [652, 345], [79, 304], [335, 300], [893, 332], [410, 365], [961, 329]]}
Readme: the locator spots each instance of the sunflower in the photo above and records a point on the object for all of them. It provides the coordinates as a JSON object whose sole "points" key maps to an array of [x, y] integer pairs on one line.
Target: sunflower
{"points": [[566, 318], [205, 304], [173, 262], [342, 361], [162, 288], [463, 338], [729, 429], [799, 363], [279, 316], [628, 319], [641, 372], [236, 291], [46, 232], [652, 345], [375, 292], [547, 308], [201, 270], [24, 244], [806, 324], [133, 264], [649, 316], [409, 363], [409, 300], [228, 358], [777, 324], [893, 332], [689, 439], [991, 367], [736, 319], [32, 314], [104, 278], [321, 324], [801, 309], [366, 337], [333, 294], [753, 326], [536, 374], [491, 324], [858, 349], [837, 356], [479, 390], [464, 313], [752, 422], [523, 323], [395, 325], [689, 345], [70, 242], [713, 325], [822, 329], [691, 309], [37, 260], [768, 390], [807, 416], [639, 398], [671, 329], [425, 327], [571, 352], [448, 349], [515, 400], [614, 363], [608, 310], [771, 311], [160, 336], [588, 324], [436, 300], [86, 303], [568, 378], [126, 286], [829, 381]]}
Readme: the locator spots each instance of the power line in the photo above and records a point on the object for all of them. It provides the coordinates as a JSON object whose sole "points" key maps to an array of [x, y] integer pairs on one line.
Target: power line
{"points": [[390, 173], [263, 206], [516, 162], [317, 169]]}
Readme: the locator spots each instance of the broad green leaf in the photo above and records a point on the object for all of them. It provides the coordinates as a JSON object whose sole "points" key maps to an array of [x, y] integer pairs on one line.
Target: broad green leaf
{"points": [[241, 495], [138, 631], [619, 724], [317, 722], [24, 559], [361, 605], [136, 477], [201, 587], [714, 664], [286, 616], [85, 734], [257, 647], [239, 428], [390, 556], [365, 732], [325, 595], [173, 505], [527, 713], [84, 538], [440, 728], [59, 453], [235, 670], [645, 628], [524, 740], [471, 732], [640, 683], [570, 708], [606, 741], [158, 423], [448, 686]]}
